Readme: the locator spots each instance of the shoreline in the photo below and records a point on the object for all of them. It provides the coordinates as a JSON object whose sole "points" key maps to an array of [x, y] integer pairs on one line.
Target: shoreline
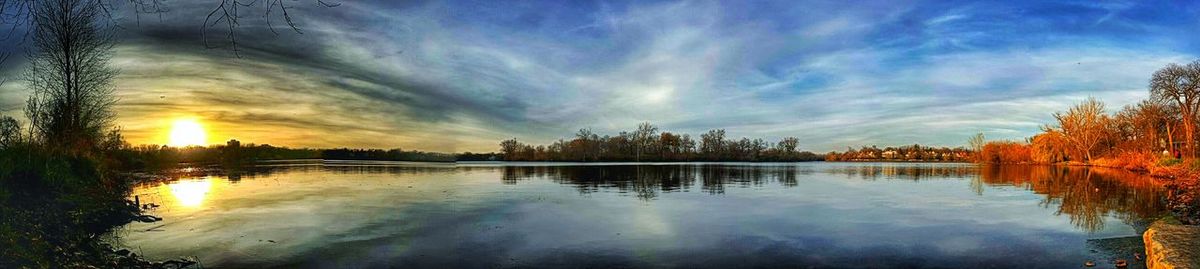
{"points": [[1168, 242]]}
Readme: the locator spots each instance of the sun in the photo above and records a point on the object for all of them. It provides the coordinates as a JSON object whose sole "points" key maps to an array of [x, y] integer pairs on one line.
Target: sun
{"points": [[187, 132]]}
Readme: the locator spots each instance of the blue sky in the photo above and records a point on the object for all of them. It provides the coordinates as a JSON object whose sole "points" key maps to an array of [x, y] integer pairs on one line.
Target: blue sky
{"points": [[462, 75]]}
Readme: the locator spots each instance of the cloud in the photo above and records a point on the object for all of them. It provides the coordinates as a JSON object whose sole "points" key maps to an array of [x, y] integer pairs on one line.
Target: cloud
{"points": [[453, 76]]}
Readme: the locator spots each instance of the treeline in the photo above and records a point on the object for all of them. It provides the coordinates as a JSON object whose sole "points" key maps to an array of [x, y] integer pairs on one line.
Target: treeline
{"points": [[1152, 133], [385, 155], [646, 143], [234, 153], [912, 153]]}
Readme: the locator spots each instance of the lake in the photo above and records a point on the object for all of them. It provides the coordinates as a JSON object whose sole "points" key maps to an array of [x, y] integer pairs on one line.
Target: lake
{"points": [[713, 215]]}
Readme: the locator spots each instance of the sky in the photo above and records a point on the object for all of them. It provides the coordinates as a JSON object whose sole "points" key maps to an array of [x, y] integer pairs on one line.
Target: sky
{"points": [[457, 76]]}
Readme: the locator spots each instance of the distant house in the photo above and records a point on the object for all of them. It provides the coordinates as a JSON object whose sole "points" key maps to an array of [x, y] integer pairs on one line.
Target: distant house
{"points": [[865, 155], [891, 154]]}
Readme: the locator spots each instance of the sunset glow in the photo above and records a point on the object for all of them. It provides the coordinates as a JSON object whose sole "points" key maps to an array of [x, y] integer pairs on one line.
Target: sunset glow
{"points": [[187, 132], [596, 134], [190, 193]]}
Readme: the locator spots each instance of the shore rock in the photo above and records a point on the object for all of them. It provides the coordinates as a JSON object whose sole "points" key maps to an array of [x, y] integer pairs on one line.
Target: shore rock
{"points": [[1172, 246]]}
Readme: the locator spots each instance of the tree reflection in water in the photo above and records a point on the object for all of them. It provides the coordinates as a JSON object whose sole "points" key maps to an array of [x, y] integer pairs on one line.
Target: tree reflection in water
{"points": [[647, 181], [1085, 195]]}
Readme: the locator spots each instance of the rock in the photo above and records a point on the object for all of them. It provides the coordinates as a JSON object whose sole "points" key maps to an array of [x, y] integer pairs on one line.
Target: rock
{"points": [[147, 218], [122, 252], [1172, 245], [182, 262]]}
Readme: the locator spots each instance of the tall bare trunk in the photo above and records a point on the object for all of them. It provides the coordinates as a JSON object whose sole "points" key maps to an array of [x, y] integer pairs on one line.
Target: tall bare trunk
{"points": [[1189, 131]]}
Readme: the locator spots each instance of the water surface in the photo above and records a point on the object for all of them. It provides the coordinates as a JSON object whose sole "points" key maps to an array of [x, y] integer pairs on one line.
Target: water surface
{"points": [[820, 215]]}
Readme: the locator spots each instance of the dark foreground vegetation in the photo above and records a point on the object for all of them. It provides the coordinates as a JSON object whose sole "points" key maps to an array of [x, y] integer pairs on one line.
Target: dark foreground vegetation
{"points": [[1156, 136], [646, 143], [63, 185], [58, 206], [57, 195]]}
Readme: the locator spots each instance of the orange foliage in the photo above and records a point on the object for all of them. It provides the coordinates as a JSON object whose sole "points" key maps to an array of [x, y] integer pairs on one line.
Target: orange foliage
{"points": [[1005, 152], [1128, 160], [1049, 147]]}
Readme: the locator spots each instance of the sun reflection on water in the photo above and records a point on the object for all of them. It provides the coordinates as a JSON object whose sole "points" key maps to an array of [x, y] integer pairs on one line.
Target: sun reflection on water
{"points": [[191, 193]]}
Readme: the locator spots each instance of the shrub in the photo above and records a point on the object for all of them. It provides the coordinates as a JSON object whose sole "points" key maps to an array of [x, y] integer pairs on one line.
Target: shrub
{"points": [[1005, 152], [1168, 162]]}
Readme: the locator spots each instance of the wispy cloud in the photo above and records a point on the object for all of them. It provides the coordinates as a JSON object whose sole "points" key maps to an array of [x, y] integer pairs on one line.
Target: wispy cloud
{"points": [[457, 76]]}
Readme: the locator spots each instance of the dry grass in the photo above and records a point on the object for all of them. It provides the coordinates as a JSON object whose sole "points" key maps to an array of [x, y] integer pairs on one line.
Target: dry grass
{"points": [[1130, 160]]}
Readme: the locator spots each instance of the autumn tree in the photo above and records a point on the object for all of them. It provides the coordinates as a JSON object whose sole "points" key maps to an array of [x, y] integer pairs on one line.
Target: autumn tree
{"points": [[1050, 146], [669, 146], [1142, 126], [1084, 126], [1180, 85]]}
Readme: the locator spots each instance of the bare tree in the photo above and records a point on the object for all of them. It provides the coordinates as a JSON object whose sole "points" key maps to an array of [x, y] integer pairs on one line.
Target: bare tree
{"points": [[229, 12], [225, 16], [72, 98], [787, 147], [1180, 85], [1084, 126], [713, 144], [510, 148], [643, 138], [976, 143], [1140, 126]]}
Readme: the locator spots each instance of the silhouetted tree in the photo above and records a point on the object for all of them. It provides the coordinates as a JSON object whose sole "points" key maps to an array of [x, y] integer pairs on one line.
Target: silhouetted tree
{"points": [[510, 148], [646, 144], [72, 98], [10, 132], [225, 17]]}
